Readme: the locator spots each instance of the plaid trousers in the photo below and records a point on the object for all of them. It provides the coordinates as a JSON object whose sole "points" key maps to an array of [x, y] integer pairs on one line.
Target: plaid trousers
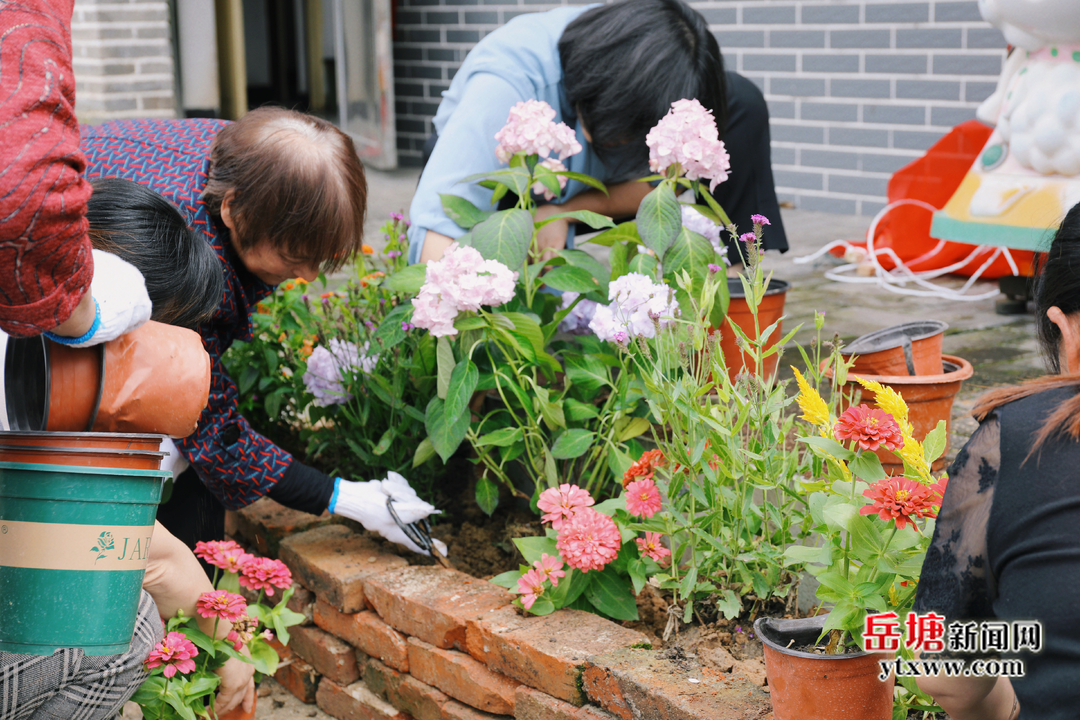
{"points": [[68, 685]]}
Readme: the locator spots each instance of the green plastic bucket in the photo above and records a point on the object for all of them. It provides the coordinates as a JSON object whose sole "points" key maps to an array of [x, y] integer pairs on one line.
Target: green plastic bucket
{"points": [[73, 549]]}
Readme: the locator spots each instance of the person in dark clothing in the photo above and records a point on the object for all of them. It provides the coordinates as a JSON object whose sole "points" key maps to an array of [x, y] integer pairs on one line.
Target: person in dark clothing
{"points": [[1005, 545], [610, 72]]}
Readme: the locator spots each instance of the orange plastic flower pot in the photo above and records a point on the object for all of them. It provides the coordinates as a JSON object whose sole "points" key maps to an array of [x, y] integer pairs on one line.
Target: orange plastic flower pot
{"points": [[770, 311], [929, 399], [911, 348], [82, 457], [111, 441], [807, 686]]}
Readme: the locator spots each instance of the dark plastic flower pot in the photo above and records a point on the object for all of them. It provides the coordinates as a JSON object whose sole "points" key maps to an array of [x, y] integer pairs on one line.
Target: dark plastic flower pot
{"points": [[770, 310], [911, 348], [807, 686]]}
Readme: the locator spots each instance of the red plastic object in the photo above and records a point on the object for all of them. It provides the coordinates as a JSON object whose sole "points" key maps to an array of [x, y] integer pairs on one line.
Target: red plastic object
{"points": [[934, 178]]}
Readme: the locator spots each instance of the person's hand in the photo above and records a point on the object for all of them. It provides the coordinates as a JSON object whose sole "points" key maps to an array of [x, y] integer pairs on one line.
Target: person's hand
{"points": [[552, 237], [122, 304], [365, 502], [237, 686]]}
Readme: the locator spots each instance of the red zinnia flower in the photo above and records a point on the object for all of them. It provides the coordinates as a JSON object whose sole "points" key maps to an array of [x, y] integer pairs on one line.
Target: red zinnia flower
{"points": [[265, 574], [870, 427], [902, 500], [644, 467], [643, 498]]}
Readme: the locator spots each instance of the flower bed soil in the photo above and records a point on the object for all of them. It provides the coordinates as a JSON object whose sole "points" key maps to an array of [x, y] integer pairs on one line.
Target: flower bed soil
{"points": [[388, 639]]}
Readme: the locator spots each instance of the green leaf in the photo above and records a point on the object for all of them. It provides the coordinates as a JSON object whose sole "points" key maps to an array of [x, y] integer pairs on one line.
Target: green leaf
{"points": [[729, 604], [586, 179], [690, 252], [445, 433], [487, 494], [507, 579], [866, 466], [517, 179], [444, 356], [571, 278], [201, 639], [503, 437], [659, 219], [576, 411], [934, 443], [572, 443], [534, 548], [463, 381], [389, 333], [462, 212], [586, 372], [590, 218], [542, 606], [571, 587], [424, 452], [830, 446], [384, 442], [549, 179], [585, 261], [643, 263], [470, 322], [263, 657], [612, 595], [622, 233], [407, 280], [505, 236], [632, 429], [802, 554]]}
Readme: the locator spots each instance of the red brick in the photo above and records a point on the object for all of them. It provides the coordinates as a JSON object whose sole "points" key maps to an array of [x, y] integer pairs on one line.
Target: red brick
{"points": [[299, 678], [432, 603], [462, 678], [355, 702], [327, 654], [548, 652], [367, 632], [405, 692], [535, 705], [265, 523], [454, 710], [333, 562], [634, 683]]}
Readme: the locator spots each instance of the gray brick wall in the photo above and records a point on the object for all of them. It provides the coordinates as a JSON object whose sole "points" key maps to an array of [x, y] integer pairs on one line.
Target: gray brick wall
{"points": [[856, 88], [123, 59]]}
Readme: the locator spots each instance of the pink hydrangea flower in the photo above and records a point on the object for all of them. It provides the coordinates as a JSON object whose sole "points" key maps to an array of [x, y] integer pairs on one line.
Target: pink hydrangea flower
{"points": [[638, 306], [559, 504], [551, 567], [266, 574], [531, 129], [221, 604], [555, 166], [224, 554], [531, 587], [462, 280], [687, 135], [175, 652], [589, 540], [651, 547], [643, 498]]}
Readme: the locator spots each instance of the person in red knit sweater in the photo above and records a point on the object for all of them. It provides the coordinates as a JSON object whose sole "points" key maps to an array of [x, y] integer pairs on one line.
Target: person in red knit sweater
{"points": [[52, 282]]}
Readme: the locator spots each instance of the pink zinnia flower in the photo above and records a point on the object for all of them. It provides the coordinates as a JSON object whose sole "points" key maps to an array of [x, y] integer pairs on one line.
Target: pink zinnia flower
{"points": [[643, 498], [902, 499], [224, 554], [175, 652], [870, 427], [589, 540], [551, 567], [560, 504], [221, 604], [243, 631], [266, 574], [531, 587], [650, 546]]}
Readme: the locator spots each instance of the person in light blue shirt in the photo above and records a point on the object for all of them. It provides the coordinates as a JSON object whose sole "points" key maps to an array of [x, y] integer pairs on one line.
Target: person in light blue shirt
{"points": [[610, 72]]}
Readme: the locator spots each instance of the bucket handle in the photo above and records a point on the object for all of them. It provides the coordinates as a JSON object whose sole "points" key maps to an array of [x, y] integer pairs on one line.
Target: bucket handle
{"points": [[908, 358]]}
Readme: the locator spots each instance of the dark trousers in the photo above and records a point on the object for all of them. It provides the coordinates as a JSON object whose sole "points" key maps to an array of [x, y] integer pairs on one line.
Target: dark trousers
{"points": [[192, 513], [749, 189]]}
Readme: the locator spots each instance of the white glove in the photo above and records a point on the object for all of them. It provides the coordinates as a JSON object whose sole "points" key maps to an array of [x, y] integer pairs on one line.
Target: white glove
{"points": [[119, 291], [365, 502], [174, 462]]}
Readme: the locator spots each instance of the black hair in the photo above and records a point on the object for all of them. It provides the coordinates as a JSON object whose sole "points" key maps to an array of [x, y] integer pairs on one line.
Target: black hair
{"points": [[183, 274], [625, 63], [1057, 282]]}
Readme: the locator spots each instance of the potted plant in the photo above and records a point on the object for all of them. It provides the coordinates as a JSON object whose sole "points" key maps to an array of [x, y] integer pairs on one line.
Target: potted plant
{"points": [[182, 667], [874, 531]]}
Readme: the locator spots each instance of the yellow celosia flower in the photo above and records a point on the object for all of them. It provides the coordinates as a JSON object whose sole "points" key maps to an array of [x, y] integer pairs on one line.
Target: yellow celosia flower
{"points": [[888, 400], [815, 410]]}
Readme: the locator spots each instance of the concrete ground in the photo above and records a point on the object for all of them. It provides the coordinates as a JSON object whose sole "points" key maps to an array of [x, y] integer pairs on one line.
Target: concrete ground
{"points": [[1002, 349]]}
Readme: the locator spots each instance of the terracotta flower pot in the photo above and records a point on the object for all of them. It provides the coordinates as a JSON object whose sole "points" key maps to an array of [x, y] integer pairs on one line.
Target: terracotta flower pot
{"points": [[770, 310], [83, 457], [155, 379], [929, 399], [237, 713], [806, 686], [912, 348], [111, 441]]}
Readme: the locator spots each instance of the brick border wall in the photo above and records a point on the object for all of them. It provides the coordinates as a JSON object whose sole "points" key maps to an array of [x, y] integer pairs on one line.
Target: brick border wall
{"points": [[856, 88], [386, 640]]}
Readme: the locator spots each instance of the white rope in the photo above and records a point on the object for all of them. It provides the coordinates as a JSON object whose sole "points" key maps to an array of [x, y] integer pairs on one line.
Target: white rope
{"points": [[897, 279]]}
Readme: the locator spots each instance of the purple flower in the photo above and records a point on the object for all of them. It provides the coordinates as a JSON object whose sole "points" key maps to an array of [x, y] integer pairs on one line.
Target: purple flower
{"points": [[748, 238], [738, 628], [407, 326], [760, 220], [368, 324], [397, 216], [714, 268], [394, 254], [621, 337]]}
